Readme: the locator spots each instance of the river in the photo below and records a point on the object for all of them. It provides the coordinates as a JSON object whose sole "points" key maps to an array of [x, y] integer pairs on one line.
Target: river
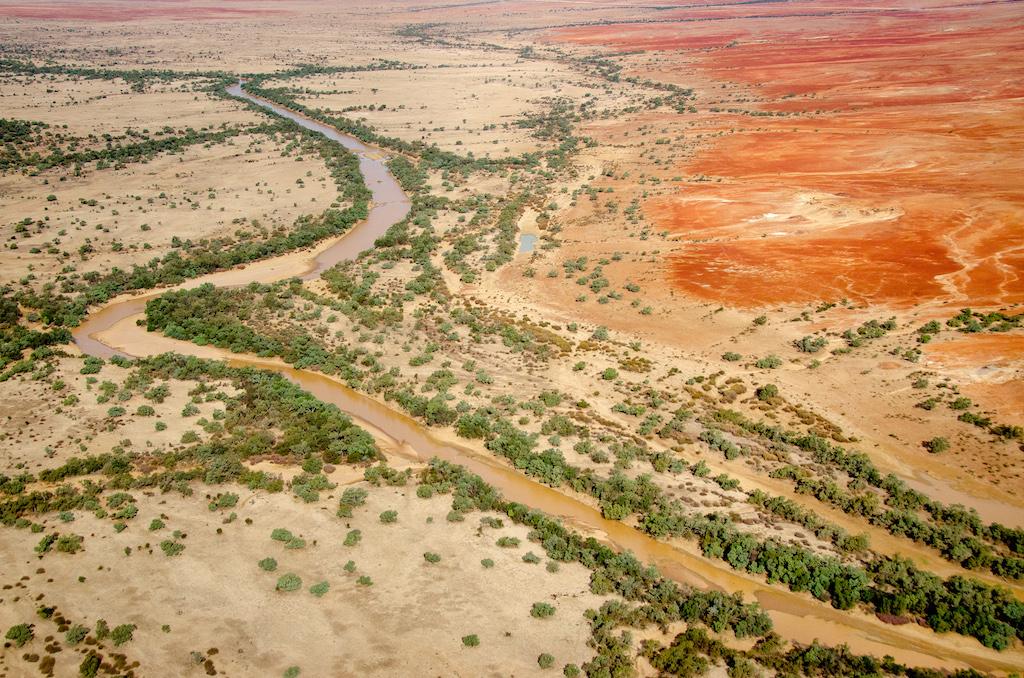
{"points": [[798, 617]]}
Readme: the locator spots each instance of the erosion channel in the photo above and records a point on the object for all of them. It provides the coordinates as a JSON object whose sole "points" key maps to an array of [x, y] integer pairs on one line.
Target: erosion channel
{"points": [[797, 617]]}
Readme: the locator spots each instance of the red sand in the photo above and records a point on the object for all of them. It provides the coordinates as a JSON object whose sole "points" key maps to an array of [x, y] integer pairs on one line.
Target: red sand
{"points": [[912, 133]]}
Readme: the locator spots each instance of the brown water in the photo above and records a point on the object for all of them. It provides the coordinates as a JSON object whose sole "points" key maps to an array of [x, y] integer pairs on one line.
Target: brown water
{"points": [[796, 617]]}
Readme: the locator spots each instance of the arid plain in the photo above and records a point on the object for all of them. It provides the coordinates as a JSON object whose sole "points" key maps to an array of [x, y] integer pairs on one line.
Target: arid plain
{"points": [[763, 233]]}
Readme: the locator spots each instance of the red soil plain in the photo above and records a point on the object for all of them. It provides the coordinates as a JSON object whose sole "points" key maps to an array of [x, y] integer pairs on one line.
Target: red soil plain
{"points": [[900, 183], [174, 10]]}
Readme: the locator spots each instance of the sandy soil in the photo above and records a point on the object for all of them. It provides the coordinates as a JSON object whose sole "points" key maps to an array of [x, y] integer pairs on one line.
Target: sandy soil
{"points": [[213, 595]]}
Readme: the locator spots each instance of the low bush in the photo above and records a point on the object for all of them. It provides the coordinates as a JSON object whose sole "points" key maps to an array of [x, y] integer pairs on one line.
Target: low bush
{"points": [[288, 582]]}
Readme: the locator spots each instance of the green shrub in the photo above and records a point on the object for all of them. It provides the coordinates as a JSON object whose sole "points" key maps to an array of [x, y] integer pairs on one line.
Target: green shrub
{"points": [[171, 548], [424, 491], [295, 543], [20, 634], [769, 362], [69, 543], [364, 581], [936, 445], [487, 562], [145, 411], [389, 517], [610, 374], [470, 641], [161, 426], [508, 542], [350, 566], [189, 437], [545, 660], [66, 516], [76, 634], [455, 516], [281, 534], [291, 672], [156, 524], [288, 582], [115, 411], [431, 557], [90, 666], [731, 357], [767, 392], [531, 558], [122, 634], [552, 566], [542, 610], [353, 538], [320, 589], [268, 564], [571, 671]]}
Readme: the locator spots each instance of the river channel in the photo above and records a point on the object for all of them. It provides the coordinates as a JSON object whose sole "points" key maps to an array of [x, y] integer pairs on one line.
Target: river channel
{"points": [[797, 617]]}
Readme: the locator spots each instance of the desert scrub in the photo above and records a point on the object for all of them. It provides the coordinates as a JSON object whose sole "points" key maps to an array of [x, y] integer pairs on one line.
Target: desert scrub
{"points": [[542, 610], [487, 562], [351, 497], [508, 542], [353, 538], [122, 634], [76, 634], [320, 589], [364, 581], [531, 558], [389, 517], [431, 557], [470, 641], [171, 548], [46, 543], [268, 564], [156, 524], [288, 582], [281, 534], [20, 634], [545, 660], [69, 543]]}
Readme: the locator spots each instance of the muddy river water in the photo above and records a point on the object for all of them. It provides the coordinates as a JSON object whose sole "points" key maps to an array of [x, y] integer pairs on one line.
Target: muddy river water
{"points": [[797, 617]]}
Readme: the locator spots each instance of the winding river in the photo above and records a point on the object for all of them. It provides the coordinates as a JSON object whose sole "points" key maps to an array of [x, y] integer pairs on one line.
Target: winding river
{"points": [[113, 330]]}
